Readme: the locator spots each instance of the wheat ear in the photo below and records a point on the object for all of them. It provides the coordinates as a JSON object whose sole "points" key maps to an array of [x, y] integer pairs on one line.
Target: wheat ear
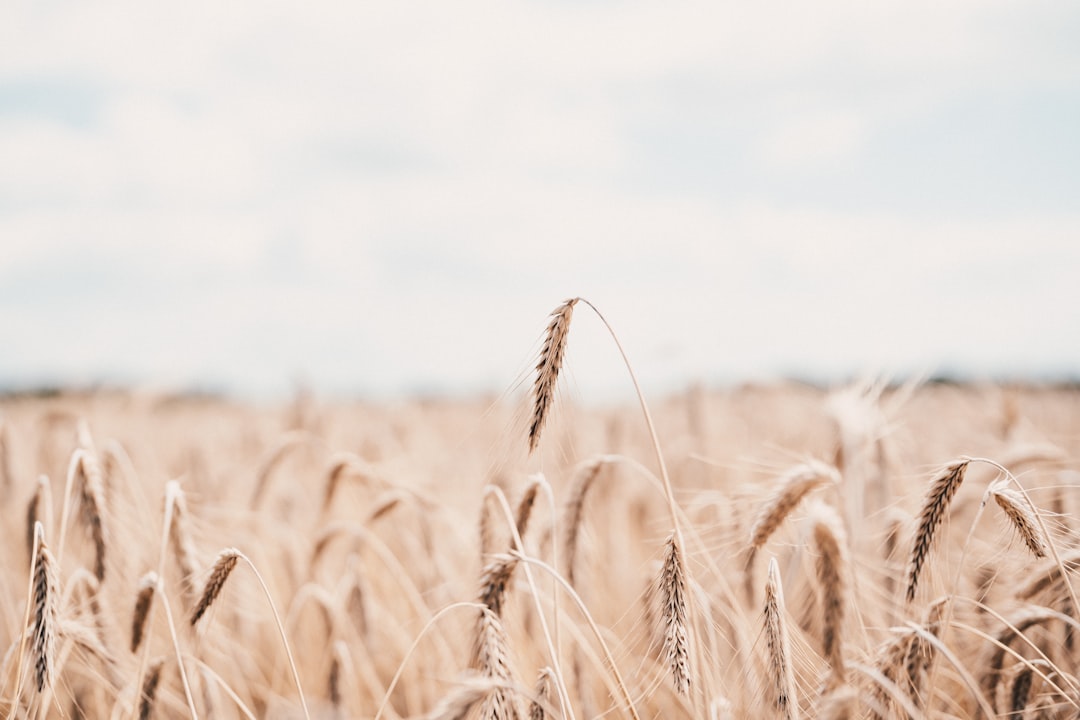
{"points": [[1022, 516], [223, 566], [38, 509], [491, 656], [547, 369], [544, 681], [941, 492], [384, 505], [1020, 691], [149, 688], [458, 704], [525, 506], [93, 508], [339, 660], [486, 529], [796, 485], [676, 635], [920, 652], [831, 570], [339, 467], [187, 557], [575, 510], [145, 596], [46, 597], [892, 658], [493, 582], [1049, 575], [288, 441], [778, 645], [1025, 619]]}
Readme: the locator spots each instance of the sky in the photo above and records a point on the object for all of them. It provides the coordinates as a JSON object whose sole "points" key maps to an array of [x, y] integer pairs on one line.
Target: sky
{"points": [[381, 198]]}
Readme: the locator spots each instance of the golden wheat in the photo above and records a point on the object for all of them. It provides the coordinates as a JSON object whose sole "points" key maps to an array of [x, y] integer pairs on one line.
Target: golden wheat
{"points": [[223, 567], [547, 368], [387, 604], [934, 509], [778, 646], [676, 635], [45, 604]]}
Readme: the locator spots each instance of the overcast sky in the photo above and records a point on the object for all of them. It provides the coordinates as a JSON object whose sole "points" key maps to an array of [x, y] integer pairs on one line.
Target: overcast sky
{"points": [[391, 196]]}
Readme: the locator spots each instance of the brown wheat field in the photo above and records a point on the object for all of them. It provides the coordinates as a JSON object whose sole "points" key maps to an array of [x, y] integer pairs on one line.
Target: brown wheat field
{"points": [[777, 551]]}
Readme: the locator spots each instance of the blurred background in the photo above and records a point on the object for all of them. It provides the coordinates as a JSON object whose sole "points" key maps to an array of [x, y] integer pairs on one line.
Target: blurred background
{"points": [[377, 199]]}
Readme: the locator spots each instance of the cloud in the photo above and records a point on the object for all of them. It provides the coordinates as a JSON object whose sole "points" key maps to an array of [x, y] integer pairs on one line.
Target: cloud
{"points": [[388, 194], [813, 139]]}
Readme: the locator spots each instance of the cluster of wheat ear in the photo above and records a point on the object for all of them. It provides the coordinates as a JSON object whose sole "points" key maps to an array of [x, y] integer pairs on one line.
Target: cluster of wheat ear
{"points": [[779, 551]]}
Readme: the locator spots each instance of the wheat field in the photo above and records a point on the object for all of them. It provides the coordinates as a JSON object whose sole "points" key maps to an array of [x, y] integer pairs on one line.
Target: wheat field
{"points": [[864, 551]]}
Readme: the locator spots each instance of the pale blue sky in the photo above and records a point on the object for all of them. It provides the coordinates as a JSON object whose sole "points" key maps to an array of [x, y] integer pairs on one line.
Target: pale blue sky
{"points": [[382, 197]]}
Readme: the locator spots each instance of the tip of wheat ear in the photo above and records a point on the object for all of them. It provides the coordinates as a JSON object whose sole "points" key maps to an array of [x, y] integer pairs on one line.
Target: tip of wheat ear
{"points": [[547, 368]]}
